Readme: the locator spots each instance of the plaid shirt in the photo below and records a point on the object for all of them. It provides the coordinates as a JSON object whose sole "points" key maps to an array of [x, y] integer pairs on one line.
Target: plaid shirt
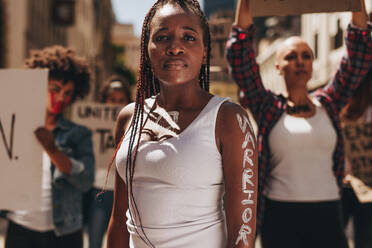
{"points": [[268, 107]]}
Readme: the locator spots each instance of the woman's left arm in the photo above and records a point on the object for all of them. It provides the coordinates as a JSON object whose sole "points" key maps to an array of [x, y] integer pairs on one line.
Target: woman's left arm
{"points": [[355, 64], [237, 144]]}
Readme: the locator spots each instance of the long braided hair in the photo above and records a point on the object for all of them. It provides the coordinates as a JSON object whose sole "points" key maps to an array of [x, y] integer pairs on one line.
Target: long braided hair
{"points": [[147, 86]]}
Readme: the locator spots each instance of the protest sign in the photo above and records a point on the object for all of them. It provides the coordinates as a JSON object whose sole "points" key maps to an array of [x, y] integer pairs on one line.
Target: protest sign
{"points": [[362, 191], [297, 7], [358, 150], [22, 110], [100, 119]]}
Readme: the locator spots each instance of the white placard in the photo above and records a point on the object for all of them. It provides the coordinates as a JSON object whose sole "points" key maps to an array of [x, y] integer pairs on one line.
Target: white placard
{"points": [[22, 110], [296, 7], [100, 119], [362, 191]]}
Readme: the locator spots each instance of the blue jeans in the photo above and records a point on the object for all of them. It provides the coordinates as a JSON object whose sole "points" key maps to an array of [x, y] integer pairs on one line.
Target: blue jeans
{"points": [[99, 216], [362, 218]]}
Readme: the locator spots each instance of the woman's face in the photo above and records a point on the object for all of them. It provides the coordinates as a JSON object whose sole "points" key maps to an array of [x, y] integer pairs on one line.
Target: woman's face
{"points": [[176, 48], [117, 97], [295, 61], [59, 95]]}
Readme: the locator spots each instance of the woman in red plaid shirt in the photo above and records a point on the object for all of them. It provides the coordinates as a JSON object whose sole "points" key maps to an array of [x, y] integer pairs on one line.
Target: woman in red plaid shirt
{"points": [[301, 162]]}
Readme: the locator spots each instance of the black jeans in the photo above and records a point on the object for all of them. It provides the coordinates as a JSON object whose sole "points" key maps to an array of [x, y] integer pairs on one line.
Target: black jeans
{"points": [[362, 218], [20, 237], [302, 225]]}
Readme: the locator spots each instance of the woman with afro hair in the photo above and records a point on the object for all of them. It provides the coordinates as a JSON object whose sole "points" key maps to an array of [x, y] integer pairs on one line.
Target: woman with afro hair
{"points": [[68, 161]]}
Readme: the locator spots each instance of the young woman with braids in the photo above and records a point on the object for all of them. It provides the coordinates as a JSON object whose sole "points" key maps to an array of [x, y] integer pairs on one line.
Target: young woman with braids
{"points": [[179, 147], [301, 158]]}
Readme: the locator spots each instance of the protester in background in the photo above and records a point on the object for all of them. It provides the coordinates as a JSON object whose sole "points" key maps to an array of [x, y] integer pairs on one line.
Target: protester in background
{"points": [[300, 141], [183, 147], [68, 161], [357, 125], [116, 90]]}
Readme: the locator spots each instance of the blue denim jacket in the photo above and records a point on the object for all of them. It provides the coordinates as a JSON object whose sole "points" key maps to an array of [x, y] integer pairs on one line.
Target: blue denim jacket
{"points": [[67, 190]]}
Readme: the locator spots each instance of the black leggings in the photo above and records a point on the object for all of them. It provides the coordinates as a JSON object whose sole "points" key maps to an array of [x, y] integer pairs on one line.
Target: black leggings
{"points": [[20, 237], [362, 218], [302, 225]]}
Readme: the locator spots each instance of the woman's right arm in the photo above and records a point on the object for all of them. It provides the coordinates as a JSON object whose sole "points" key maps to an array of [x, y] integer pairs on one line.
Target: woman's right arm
{"points": [[242, 59], [117, 233]]}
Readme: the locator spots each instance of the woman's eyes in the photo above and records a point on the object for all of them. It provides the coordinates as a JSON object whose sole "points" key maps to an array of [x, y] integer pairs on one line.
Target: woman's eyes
{"points": [[189, 38], [69, 93], [186, 37], [293, 56], [54, 89], [290, 57], [161, 38]]}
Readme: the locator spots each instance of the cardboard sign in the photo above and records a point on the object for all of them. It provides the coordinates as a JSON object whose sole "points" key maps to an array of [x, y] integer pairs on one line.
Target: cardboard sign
{"points": [[100, 119], [22, 110], [358, 149], [296, 7], [362, 191]]}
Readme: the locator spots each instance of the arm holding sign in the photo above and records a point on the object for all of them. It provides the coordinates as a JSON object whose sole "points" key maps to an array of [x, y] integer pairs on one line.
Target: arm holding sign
{"points": [[76, 168], [82, 161], [360, 18], [355, 64], [58, 158], [243, 65], [243, 16]]}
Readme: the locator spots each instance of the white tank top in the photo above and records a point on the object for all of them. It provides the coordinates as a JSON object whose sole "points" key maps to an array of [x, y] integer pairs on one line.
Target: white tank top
{"points": [[302, 150], [40, 220], [178, 186]]}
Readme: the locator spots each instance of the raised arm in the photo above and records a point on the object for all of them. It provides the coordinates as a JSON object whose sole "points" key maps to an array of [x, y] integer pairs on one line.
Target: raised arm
{"points": [[237, 144], [355, 64], [360, 18], [117, 233], [243, 16], [77, 167], [242, 59]]}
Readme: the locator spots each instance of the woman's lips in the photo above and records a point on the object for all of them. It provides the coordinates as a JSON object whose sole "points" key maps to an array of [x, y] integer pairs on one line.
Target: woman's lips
{"points": [[175, 65], [299, 72]]}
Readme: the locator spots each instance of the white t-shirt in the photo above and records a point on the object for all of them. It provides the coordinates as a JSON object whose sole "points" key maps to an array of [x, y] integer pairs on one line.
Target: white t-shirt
{"points": [[302, 151], [38, 220]]}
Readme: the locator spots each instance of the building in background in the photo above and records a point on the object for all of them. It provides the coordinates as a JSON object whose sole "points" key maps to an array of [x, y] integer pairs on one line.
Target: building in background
{"points": [[220, 83], [104, 56], [268, 29], [213, 6], [325, 33], [128, 47], [84, 25]]}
